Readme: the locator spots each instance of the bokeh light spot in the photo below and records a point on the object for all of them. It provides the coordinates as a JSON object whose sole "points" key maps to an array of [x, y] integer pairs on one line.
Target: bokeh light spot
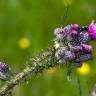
{"points": [[67, 2]]}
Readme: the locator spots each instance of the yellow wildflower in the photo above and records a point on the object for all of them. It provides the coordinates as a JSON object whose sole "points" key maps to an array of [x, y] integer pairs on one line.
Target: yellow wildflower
{"points": [[84, 69], [24, 43]]}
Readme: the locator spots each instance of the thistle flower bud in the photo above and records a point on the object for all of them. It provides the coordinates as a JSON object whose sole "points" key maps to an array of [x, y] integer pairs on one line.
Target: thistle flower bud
{"points": [[87, 48], [59, 33], [75, 48], [93, 36], [69, 55], [67, 29], [72, 35], [75, 26], [60, 54], [84, 37], [84, 28], [84, 57], [4, 71]]}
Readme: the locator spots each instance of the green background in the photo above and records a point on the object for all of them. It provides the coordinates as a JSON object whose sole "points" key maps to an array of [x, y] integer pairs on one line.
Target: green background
{"points": [[36, 20]]}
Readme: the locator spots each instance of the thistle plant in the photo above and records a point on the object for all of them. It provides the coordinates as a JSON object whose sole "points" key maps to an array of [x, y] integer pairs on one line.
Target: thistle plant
{"points": [[71, 47]]}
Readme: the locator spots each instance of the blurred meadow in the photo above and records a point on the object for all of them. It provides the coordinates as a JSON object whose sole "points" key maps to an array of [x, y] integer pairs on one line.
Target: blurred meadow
{"points": [[26, 27]]}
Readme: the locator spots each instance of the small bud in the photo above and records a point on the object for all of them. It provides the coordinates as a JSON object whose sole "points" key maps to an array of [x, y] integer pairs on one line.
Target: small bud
{"points": [[75, 48], [72, 35], [59, 33], [67, 29], [87, 48], [60, 54], [85, 57], [69, 55], [84, 37], [75, 26]]}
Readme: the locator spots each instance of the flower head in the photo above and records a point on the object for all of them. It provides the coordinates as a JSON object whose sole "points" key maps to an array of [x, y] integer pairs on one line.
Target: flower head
{"points": [[4, 71], [84, 37], [75, 26], [92, 30], [59, 33]]}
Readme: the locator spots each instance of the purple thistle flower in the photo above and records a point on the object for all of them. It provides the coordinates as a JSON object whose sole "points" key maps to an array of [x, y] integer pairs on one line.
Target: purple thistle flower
{"points": [[92, 30], [92, 27], [4, 71]]}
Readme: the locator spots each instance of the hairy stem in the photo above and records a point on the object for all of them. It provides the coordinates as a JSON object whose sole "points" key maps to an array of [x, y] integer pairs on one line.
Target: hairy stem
{"points": [[36, 65], [64, 16]]}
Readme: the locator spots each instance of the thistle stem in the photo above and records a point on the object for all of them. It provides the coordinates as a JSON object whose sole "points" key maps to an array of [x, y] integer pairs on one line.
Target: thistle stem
{"points": [[79, 86], [35, 67]]}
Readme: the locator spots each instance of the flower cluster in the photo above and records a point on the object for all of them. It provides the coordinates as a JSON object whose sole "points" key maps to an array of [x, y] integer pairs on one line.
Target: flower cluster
{"points": [[72, 43]]}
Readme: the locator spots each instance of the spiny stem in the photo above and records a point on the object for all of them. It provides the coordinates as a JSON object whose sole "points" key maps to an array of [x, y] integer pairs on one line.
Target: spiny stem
{"points": [[87, 83], [68, 66], [35, 67], [79, 86]]}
